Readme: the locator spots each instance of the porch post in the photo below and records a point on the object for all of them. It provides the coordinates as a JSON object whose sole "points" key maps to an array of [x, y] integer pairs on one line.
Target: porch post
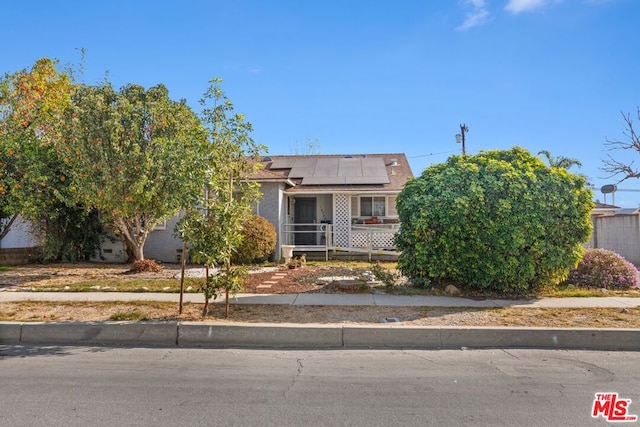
{"points": [[342, 217]]}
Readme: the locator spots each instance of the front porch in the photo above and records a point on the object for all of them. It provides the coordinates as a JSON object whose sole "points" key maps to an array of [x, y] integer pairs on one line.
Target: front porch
{"points": [[369, 239]]}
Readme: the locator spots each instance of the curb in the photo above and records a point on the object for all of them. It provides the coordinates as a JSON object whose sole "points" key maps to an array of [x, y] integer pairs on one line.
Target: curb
{"points": [[269, 336]]}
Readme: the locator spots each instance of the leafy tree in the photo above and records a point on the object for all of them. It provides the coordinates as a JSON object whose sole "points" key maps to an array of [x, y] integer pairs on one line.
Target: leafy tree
{"points": [[135, 155], [71, 233], [32, 105], [496, 221], [214, 227], [33, 177], [560, 161], [627, 169]]}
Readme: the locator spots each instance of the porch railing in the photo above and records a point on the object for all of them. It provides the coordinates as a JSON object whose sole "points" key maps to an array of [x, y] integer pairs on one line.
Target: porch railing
{"points": [[369, 238]]}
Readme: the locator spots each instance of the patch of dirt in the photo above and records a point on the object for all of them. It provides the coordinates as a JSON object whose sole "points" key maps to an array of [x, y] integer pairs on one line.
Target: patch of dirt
{"points": [[283, 280], [297, 280], [411, 316]]}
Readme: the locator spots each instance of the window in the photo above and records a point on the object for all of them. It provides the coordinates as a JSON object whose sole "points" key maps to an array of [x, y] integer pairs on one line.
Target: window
{"points": [[372, 206]]}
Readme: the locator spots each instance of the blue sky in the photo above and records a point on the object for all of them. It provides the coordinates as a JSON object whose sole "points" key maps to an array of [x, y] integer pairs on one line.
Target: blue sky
{"points": [[369, 76]]}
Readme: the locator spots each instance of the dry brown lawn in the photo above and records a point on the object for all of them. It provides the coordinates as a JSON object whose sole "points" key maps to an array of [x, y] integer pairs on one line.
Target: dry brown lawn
{"points": [[57, 277]]}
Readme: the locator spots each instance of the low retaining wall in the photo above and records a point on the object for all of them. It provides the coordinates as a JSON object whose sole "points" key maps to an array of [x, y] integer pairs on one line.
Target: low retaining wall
{"points": [[18, 256]]}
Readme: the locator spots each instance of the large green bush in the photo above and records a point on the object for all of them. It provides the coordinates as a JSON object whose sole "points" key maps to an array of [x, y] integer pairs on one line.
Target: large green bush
{"points": [[601, 268], [498, 221], [258, 242]]}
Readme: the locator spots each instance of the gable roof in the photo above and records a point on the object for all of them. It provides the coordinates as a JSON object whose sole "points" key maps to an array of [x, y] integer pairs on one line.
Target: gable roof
{"points": [[337, 172]]}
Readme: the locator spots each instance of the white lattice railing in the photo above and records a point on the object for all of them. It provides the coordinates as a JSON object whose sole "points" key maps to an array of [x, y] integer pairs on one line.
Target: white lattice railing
{"points": [[327, 236], [374, 236]]}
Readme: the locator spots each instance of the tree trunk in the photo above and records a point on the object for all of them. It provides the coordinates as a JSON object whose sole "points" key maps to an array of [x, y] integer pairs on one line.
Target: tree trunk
{"points": [[133, 244], [226, 303], [205, 309], [135, 252], [7, 227]]}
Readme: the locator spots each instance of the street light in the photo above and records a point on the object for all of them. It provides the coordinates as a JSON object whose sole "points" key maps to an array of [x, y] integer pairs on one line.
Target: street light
{"points": [[460, 137]]}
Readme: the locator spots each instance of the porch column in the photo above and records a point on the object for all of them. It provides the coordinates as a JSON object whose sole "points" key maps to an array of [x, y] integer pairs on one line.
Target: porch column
{"points": [[342, 220]]}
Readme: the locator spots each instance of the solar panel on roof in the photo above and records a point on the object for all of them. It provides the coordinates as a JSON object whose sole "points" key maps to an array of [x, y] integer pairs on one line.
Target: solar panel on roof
{"points": [[373, 167], [303, 168], [350, 167], [326, 168], [283, 163], [335, 170]]}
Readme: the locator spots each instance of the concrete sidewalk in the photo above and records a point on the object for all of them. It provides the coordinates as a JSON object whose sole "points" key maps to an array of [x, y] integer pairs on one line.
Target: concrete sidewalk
{"points": [[316, 336], [330, 299]]}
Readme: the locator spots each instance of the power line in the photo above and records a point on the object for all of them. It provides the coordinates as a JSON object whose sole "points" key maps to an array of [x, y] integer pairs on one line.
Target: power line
{"points": [[433, 154]]}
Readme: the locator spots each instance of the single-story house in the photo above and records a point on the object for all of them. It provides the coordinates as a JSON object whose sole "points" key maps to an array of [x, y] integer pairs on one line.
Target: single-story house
{"points": [[321, 203], [317, 203]]}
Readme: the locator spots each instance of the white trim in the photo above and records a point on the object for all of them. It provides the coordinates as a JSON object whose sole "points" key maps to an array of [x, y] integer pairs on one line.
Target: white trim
{"points": [[162, 225], [351, 192]]}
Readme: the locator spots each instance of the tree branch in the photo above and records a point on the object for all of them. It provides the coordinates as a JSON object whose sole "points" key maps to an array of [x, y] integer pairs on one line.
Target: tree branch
{"points": [[632, 142]]}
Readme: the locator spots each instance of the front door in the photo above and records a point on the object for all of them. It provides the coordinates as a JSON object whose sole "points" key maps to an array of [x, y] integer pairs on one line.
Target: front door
{"points": [[305, 213]]}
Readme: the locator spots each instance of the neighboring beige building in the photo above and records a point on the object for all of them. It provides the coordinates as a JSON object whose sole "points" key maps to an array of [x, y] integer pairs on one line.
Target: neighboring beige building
{"points": [[617, 230]]}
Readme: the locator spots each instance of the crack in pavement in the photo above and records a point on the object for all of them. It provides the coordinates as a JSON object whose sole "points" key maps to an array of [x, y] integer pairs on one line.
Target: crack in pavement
{"points": [[295, 378]]}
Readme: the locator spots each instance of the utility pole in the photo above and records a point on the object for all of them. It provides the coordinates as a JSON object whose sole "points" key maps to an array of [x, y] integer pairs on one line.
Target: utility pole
{"points": [[460, 137]]}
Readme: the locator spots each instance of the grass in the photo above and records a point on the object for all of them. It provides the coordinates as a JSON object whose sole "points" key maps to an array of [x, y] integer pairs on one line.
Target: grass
{"points": [[363, 265], [33, 311], [38, 311], [125, 285], [133, 315]]}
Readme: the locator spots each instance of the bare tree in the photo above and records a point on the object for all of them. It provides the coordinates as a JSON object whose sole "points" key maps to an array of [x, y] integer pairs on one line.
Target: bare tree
{"points": [[308, 147], [631, 142]]}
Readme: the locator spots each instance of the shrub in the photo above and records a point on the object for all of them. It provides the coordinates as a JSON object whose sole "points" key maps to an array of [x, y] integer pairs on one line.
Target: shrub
{"points": [[145, 266], [388, 277], [601, 268], [259, 241], [499, 221]]}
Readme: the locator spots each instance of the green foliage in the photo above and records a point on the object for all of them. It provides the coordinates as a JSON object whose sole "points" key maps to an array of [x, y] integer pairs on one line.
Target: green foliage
{"points": [[71, 233], [601, 268], [32, 105], [258, 242], [33, 176], [133, 315], [213, 226], [498, 221], [388, 277], [135, 155]]}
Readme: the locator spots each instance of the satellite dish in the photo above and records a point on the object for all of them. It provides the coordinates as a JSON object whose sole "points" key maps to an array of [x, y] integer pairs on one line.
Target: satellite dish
{"points": [[609, 188]]}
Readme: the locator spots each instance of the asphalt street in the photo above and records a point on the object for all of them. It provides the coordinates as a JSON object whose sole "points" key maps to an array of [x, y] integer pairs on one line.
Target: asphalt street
{"points": [[104, 386]]}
